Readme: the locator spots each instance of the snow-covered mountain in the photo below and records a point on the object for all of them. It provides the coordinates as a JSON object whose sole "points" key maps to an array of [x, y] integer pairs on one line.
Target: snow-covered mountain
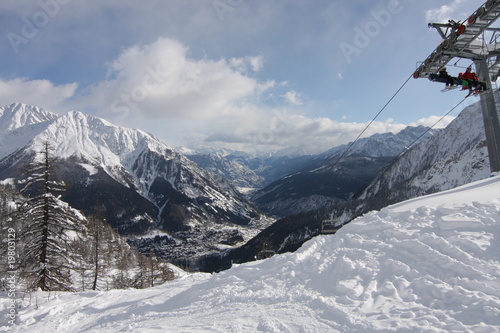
{"points": [[19, 123], [250, 171], [426, 265], [239, 174], [453, 156], [329, 180], [144, 185], [381, 144]]}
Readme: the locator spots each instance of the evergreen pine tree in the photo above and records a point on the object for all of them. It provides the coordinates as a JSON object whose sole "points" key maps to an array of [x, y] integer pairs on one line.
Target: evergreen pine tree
{"points": [[49, 229]]}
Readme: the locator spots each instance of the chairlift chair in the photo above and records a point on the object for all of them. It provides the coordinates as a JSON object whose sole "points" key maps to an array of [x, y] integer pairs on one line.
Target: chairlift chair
{"points": [[330, 226], [264, 254]]}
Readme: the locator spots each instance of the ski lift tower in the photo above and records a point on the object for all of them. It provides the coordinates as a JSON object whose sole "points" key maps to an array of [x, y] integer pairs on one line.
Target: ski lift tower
{"points": [[476, 40]]}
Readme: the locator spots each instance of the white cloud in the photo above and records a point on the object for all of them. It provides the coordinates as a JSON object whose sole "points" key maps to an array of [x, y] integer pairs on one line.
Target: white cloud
{"points": [[293, 98], [452, 11], [247, 64], [41, 93], [435, 121], [160, 80], [282, 129]]}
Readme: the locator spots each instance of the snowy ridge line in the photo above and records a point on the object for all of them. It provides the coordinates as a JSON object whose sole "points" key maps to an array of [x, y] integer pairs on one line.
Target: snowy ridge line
{"points": [[429, 129], [425, 265], [19, 124]]}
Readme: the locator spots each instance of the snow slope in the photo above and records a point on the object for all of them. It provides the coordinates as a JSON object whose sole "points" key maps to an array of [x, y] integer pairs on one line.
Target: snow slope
{"points": [[430, 264]]}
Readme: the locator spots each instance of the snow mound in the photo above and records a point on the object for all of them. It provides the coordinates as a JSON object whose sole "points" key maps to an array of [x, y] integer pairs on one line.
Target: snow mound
{"points": [[426, 265]]}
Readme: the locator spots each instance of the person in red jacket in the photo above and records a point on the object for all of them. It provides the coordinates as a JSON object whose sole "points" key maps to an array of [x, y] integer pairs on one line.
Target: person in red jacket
{"points": [[470, 80], [469, 75], [466, 78]]}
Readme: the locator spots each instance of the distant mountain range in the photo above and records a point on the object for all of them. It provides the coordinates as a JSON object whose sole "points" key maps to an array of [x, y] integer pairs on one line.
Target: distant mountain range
{"points": [[201, 211], [450, 157], [293, 184], [337, 175], [250, 171], [146, 187]]}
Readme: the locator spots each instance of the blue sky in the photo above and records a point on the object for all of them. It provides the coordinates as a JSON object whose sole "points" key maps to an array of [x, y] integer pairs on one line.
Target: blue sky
{"points": [[256, 75]]}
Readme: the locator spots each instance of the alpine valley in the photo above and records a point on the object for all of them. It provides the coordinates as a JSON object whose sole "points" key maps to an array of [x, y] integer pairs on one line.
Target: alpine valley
{"points": [[199, 213], [150, 193], [447, 158]]}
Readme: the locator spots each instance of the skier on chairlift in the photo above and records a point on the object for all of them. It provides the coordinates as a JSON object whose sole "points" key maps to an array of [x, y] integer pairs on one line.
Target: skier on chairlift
{"points": [[471, 81], [444, 74]]}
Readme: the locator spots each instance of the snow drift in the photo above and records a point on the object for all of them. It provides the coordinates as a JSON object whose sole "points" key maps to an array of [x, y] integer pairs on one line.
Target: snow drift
{"points": [[425, 265]]}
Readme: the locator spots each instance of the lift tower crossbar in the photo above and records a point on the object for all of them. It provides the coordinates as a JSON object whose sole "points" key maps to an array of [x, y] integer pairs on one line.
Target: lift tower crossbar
{"points": [[463, 40]]}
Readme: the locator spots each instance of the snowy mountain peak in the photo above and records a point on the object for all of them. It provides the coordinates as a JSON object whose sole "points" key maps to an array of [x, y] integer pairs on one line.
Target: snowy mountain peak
{"points": [[19, 123], [18, 115], [86, 136], [78, 134], [382, 144]]}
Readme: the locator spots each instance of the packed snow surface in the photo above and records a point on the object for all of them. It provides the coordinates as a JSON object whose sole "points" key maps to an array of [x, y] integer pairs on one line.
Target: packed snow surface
{"points": [[426, 265]]}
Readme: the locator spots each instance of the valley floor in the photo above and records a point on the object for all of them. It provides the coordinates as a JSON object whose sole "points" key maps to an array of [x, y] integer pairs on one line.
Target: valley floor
{"points": [[430, 264]]}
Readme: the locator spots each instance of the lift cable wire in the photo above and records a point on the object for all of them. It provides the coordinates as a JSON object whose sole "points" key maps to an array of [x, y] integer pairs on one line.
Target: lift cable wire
{"points": [[371, 122], [425, 132], [391, 163]]}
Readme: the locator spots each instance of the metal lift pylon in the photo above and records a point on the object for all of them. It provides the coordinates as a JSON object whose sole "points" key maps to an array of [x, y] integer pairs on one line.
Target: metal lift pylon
{"points": [[460, 40]]}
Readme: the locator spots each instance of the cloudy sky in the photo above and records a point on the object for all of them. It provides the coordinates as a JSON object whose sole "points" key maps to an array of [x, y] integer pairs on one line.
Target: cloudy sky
{"points": [[256, 75]]}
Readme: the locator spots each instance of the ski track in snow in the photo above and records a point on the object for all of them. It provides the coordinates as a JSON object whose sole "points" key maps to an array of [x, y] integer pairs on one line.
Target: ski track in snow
{"points": [[426, 265]]}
